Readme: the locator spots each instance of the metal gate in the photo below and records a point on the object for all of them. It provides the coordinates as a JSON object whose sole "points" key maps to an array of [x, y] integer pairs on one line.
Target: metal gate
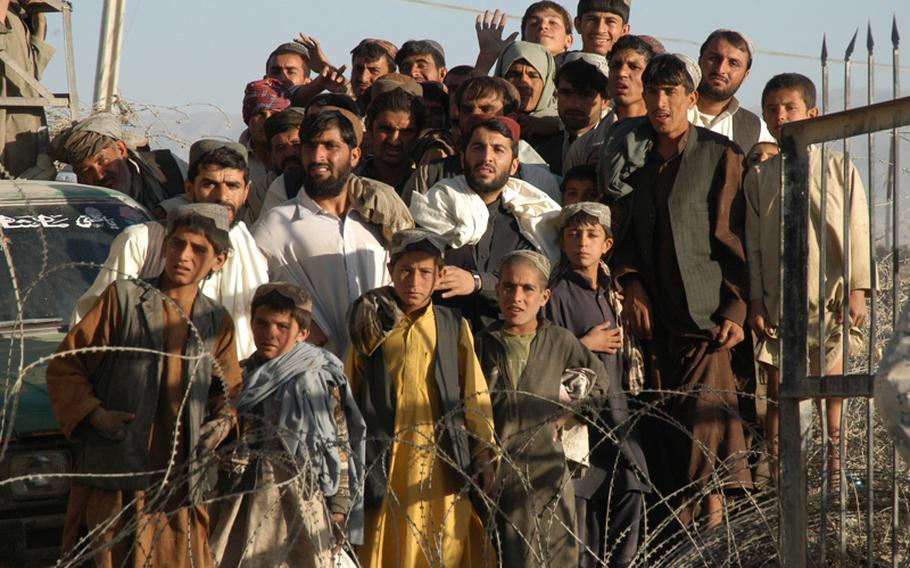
{"points": [[862, 501]]}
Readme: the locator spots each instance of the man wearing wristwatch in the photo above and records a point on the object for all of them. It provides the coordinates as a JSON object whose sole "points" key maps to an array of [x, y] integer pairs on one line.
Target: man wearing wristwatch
{"points": [[483, 215]]}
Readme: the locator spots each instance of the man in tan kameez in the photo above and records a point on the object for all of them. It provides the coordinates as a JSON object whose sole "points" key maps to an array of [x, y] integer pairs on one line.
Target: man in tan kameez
{"points": [[23, 130], [429, 420], [138, 498]]}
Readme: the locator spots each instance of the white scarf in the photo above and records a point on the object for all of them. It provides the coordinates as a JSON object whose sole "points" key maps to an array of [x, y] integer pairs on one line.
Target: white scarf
{"points": [[456, 212]]}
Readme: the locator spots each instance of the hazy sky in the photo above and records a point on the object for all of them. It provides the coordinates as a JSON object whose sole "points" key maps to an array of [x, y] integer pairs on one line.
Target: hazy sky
{"points": [[182, 52]]}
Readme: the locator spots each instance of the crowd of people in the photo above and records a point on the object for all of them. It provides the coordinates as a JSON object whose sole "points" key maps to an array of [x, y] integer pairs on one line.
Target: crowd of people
{"points": [[447, 316]]}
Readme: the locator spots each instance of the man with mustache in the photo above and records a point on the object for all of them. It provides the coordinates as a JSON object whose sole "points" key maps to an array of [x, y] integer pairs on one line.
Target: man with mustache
{"points": [[332, 238], [218, 174], [725, 59], [483, 215], [94, 147], [394, 119], [370, 60], [680, 258], [283, 133]]}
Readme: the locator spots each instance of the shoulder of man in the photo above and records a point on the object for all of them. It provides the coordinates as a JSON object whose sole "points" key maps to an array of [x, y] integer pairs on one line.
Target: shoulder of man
{"points": [[380, 204], [167, 168]]}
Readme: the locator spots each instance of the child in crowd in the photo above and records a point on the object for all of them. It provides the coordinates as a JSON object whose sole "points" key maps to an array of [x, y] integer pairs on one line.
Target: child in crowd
{"points": [[786, 98], [579, 184], [609, 497]]}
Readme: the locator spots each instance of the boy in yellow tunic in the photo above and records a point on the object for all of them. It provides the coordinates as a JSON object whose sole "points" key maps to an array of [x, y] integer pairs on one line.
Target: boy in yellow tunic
{"points": [[429, 421]]}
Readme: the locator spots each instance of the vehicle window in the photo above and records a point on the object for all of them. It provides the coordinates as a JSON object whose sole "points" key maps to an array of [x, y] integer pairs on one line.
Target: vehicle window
{"points": [[44, 241]]}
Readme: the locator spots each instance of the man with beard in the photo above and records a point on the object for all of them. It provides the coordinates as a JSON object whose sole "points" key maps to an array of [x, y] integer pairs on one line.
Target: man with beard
{"points": [[725, 59], [681, 261], [218, 174], [490, 96], [283, 132], [485, 214], [626, 64], [394, 120], [332, 238], [370, 60], [581, 99], [99, 156]]}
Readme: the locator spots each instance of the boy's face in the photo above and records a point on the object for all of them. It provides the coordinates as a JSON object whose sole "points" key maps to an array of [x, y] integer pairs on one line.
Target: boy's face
{"points": [[547, 28], [785, 105], [624, 82], [668, 107], [599, 31], [578, 110], [275, 332], [422, 68], [189, 257], [521, 292], [584, 245], [414, 277], [578, 190]]}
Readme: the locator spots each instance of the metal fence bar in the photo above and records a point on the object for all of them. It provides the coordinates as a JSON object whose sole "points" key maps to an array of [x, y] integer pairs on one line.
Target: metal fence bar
{"points": [[870, 438], [795, 385], [895, 253], [822, 284]]}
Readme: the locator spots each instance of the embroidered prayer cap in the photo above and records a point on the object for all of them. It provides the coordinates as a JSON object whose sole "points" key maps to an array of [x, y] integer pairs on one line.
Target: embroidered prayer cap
{"points": [[410, 240], [202, 147], [537, 260], [291, 117], [352, 118], [475, 120], [268, 94], [86, 138], [419, 47], [392, 81], [598, 61], [386, 45], [300, 297], [692, 68], [214, 213], [597, 210]]}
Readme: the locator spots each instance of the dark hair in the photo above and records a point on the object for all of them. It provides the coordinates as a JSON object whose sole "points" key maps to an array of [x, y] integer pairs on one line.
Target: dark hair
{"points": [[735, 39], [282, 50], [223, 158], [397, 100], [482, 87], [369, 51], [460, 70], [584, 78], [335, 99], [497, 127], [541, 6], [618, 7], [793, 81], [220, 240], [420, 47], [583, 172], [634, 43], [317, 123], [667, 69], [275, 301]]}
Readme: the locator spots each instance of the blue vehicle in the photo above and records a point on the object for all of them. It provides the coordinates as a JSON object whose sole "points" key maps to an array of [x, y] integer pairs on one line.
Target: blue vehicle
{"points": [[54, 236]]}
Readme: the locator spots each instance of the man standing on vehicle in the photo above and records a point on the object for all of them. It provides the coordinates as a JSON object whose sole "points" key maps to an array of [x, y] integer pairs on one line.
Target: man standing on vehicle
{"points": [[94, 147], [218, 174]]}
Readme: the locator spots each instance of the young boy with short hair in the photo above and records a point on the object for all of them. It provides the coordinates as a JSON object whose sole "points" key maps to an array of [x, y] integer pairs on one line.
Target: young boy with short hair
{"points": [[151, 406], [426, 404], [584, 300], [549, 24], [299, 421], [790, 97], [600, 23], [524, 358], [579, 184]]}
